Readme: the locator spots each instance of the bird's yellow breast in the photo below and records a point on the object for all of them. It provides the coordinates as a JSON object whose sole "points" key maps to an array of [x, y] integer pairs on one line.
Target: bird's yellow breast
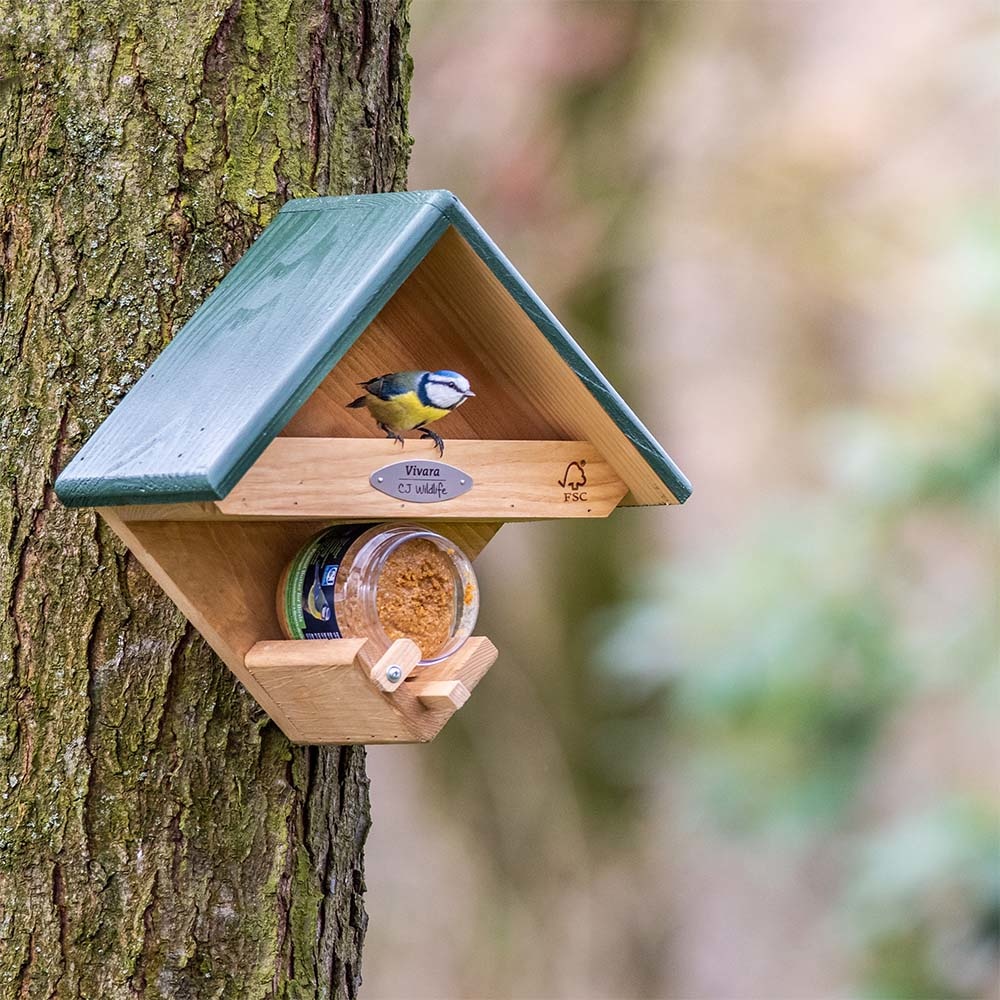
{"points": [[403, 413]]}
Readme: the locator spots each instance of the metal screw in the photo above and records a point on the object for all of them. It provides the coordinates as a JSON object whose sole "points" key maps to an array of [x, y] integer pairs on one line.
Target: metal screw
{"points": [[393, 673], [461, 482], [378, 479]]}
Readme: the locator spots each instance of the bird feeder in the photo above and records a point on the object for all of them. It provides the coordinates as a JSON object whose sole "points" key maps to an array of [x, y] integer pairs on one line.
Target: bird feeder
{"points": [[235, 447]]}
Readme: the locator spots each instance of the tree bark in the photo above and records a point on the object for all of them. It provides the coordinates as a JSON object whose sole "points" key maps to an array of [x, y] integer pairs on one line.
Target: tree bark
{"points": [[158, 835]]}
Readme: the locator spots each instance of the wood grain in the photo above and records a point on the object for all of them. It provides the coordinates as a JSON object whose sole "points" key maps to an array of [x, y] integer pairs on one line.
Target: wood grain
{"points": [[304, 653], [194, 511], [468, 665], [332, 703], [500, 329], [473, 536], [403, 653], [437, 695], [324, 693], [329, 477]]}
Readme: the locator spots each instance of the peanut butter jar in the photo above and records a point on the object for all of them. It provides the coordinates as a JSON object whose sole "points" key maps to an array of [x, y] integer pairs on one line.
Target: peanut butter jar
{"points": [[381, 582]]}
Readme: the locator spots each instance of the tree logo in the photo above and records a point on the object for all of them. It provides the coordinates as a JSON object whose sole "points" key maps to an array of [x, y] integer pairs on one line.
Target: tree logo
{"points": [[573, 481]]}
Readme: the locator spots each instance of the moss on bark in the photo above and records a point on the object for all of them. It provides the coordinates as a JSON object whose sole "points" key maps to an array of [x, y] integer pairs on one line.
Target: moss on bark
{"points": [[158, 836]]}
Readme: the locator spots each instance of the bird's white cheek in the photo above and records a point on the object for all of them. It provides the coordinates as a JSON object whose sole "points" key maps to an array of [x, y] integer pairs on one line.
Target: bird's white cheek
{"points": [[442, 399]]}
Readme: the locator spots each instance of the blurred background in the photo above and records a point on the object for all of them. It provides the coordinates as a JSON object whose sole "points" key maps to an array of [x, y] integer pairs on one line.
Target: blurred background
{"points": [[747, 747]]}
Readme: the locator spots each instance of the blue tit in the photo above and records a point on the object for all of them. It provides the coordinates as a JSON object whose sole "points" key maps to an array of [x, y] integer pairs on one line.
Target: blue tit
{"points": [[407, 401], [316, 604]]}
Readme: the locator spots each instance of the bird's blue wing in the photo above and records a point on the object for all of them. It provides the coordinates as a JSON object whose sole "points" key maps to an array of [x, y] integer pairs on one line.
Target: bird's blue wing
{"points": [[392, 384]]}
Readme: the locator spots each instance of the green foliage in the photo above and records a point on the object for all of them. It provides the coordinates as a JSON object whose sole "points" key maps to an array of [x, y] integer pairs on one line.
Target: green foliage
{"points": [[924, 907], [784, 657], [784, 654]]}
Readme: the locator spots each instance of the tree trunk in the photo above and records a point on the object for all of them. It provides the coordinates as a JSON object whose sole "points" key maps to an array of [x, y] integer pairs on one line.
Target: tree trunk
{"points": [[158, 836]]}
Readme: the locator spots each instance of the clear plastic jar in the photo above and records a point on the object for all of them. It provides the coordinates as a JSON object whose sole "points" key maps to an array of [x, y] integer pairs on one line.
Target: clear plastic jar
{"points": [[381, 582]]}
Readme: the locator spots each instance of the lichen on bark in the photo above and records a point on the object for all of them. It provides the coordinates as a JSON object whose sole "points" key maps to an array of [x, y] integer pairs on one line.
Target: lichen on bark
{"points": [[158, 836]]}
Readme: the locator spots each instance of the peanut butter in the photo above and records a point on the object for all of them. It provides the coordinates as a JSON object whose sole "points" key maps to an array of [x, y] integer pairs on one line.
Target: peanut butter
{"points": [[416, 595]]}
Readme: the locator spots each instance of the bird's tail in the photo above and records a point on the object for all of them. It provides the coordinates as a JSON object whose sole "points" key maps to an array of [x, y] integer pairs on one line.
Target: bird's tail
{"points": [[359, 402]]}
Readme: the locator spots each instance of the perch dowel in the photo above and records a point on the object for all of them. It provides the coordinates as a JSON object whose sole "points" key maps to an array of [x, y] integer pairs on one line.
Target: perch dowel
{"points": [[440, 694]]}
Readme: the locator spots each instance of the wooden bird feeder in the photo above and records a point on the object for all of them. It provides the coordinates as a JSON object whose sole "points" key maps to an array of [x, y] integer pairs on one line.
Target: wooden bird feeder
{"points": [[236, 447]]}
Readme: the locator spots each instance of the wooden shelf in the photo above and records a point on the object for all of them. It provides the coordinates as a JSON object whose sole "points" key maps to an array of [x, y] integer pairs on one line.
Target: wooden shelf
{"points": [[328, 478], [333, 691]]}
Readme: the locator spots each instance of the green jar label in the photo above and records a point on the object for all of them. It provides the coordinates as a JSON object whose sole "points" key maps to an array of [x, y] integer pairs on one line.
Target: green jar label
{"points": [[308, 601]]}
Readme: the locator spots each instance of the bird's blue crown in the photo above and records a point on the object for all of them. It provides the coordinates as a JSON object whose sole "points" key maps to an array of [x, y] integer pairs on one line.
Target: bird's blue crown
{"points": [[443, 389]]}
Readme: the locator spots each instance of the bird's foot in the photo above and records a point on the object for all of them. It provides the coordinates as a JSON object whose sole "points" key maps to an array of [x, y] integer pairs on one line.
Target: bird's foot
{"points": [[428, 434], [393, 435]]}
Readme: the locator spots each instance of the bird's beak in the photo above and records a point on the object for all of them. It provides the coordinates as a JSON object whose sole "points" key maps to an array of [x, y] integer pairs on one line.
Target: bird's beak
{"points": [[469, 393]]}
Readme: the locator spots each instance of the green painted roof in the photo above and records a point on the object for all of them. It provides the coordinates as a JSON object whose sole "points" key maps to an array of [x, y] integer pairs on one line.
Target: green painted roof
{"points": [[272, 330]]}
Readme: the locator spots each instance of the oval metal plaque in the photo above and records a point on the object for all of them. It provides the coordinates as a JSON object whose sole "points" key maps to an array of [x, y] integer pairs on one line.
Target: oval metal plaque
{"points": [[421, 481]]}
